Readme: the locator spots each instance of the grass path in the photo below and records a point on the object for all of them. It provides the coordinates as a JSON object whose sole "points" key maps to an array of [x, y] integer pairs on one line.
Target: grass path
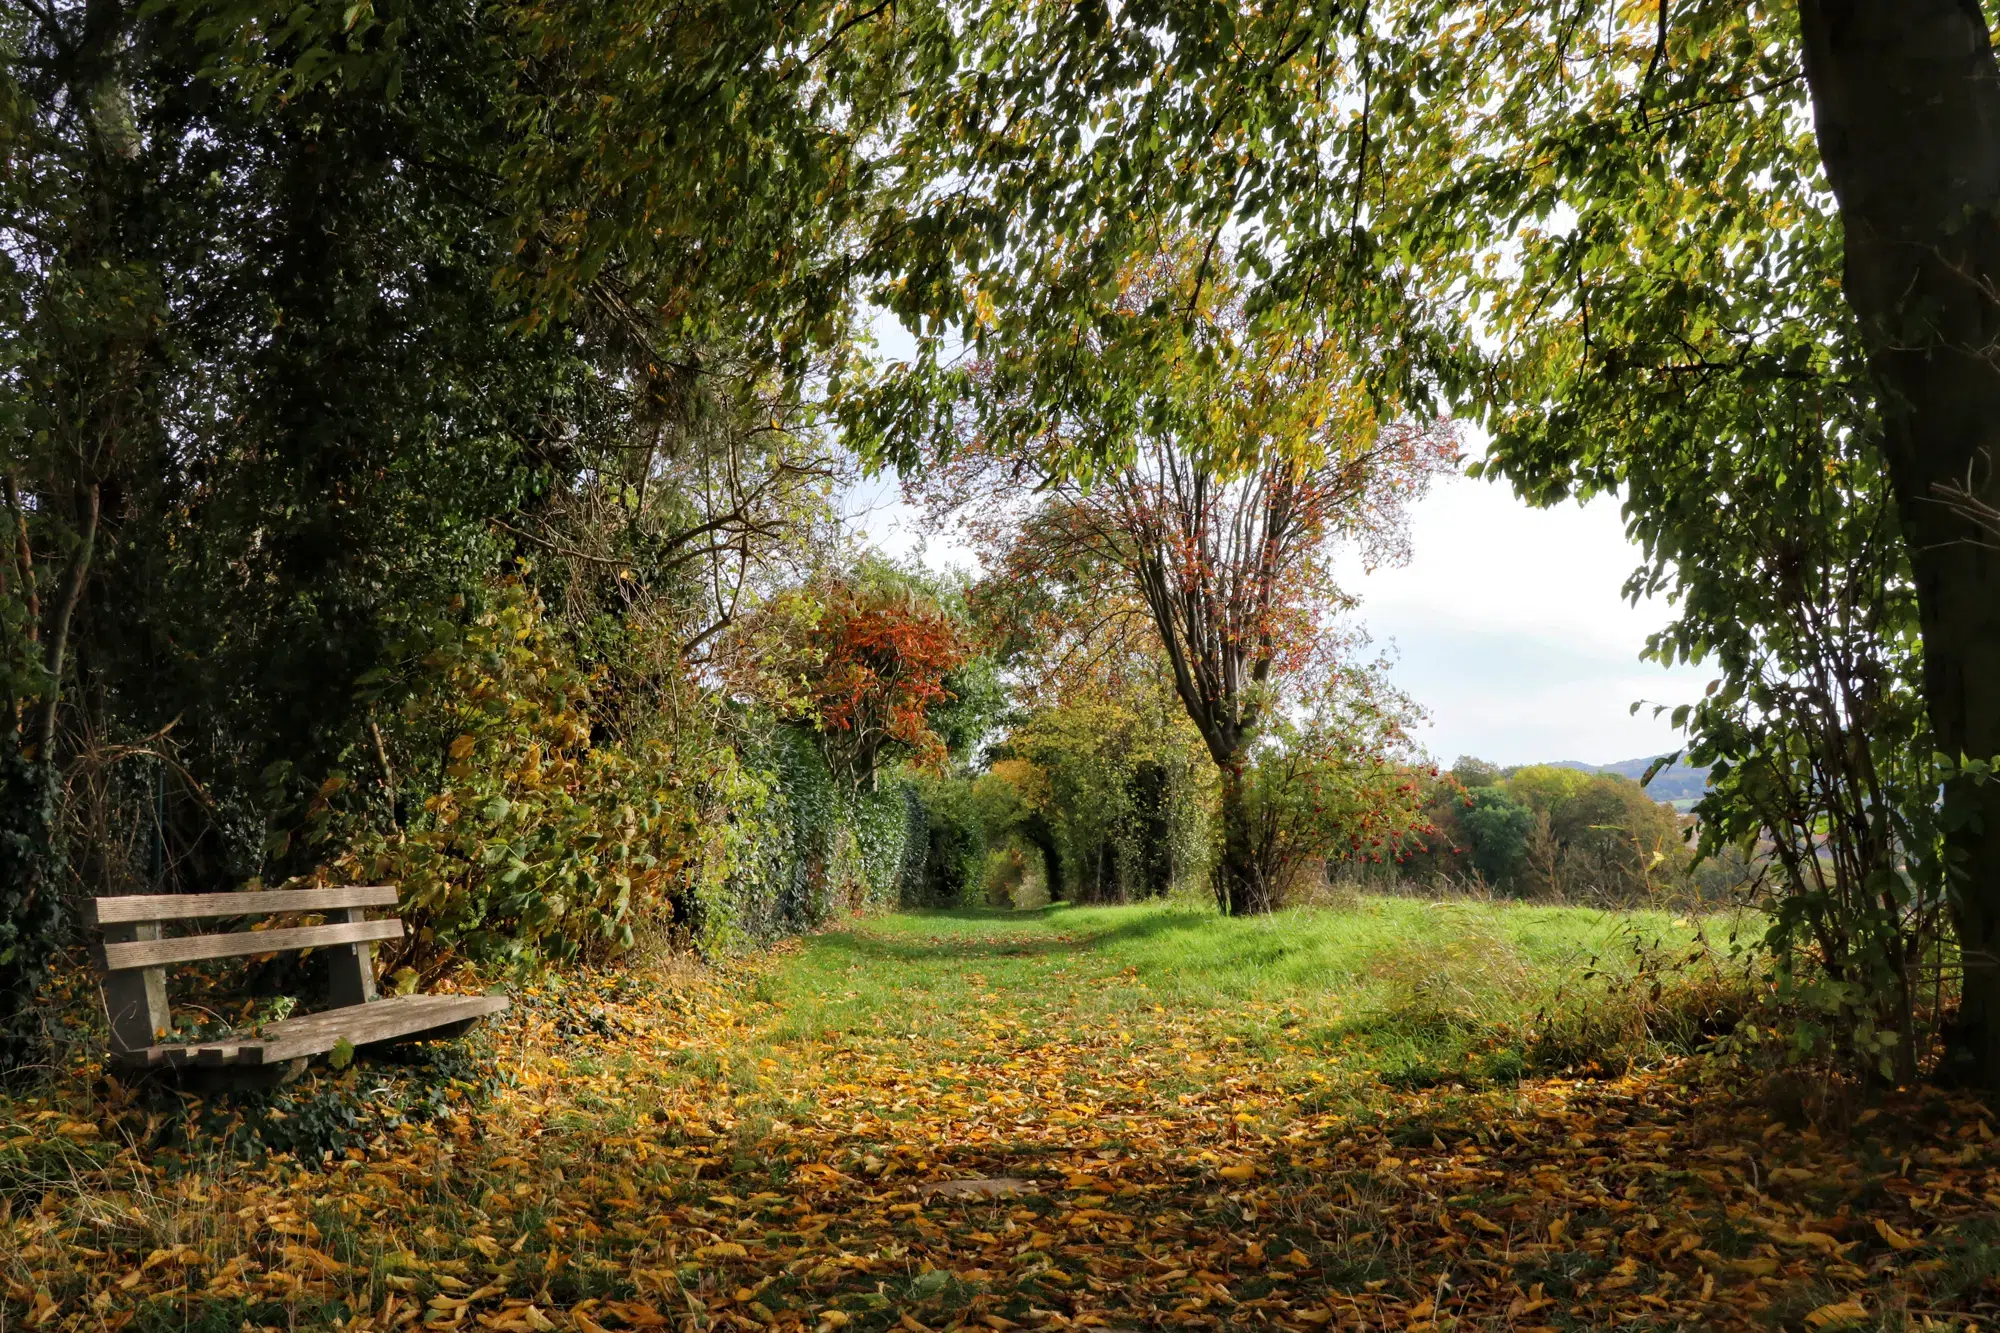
{"points": [[1119, 1118]]}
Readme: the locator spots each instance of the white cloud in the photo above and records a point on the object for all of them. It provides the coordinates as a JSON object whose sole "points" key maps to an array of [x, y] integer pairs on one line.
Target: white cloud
{"points": [[1510, 625]]}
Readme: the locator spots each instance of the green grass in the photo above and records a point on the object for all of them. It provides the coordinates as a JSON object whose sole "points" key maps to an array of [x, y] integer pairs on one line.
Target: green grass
{"points": [[1415, 992]]}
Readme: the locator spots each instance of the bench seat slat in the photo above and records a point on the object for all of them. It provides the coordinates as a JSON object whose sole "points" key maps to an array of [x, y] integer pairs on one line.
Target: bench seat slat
{"points": [[191, 906], [315, 1034], [383, 1020], [241, 944]]}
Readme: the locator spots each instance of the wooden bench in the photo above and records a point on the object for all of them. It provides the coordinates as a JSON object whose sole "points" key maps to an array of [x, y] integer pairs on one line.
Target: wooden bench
{"points": [[135, 955]]}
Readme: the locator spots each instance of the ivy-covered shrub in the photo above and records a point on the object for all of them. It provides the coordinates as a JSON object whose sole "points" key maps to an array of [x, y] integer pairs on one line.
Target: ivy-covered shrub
{"points": [[520, 840], [882, 830], [32, 920], [824, 849]]}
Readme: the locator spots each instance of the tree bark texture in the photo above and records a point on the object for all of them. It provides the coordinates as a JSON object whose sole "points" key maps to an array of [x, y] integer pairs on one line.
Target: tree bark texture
{"points": [[1906, 104], [1242, 887]]}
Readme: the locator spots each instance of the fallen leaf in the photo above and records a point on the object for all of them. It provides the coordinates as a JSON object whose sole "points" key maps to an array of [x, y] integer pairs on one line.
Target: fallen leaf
{"points": [[1896, 1240], [1837, 1315], [725, 1249]]}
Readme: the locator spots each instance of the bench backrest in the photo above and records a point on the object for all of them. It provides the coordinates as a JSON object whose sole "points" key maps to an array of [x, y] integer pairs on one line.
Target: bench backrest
{"points": [[134, 957]]}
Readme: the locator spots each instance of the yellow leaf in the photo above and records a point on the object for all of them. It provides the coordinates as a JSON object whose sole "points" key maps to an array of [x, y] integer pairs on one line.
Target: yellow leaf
{"points": [[486, 1245], [1238, 1173], [304, 1256], [1896, 1239], [722, 1249], [1752, 1267], [1844, 1312]]}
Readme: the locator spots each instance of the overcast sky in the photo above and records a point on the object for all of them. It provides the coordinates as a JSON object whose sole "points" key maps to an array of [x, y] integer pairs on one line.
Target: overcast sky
{"points": [[1509, 626]]}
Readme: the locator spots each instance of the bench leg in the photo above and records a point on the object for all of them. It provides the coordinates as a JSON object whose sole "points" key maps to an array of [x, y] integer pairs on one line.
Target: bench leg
{"points": [[135, 1001], [353, 969]]}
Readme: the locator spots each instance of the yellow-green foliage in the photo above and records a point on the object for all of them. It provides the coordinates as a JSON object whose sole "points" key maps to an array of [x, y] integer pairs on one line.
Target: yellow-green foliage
{"points": [[530, 841], [1546, 830], [1120, 784]]}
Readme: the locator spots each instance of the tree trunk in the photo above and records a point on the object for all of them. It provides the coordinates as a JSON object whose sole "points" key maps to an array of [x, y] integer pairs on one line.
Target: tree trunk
{"points": [[56, 658], [1906, 103], [1241, 889]]}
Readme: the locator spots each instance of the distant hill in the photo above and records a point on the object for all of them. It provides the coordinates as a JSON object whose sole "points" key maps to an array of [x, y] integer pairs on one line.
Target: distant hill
{"points": [[1677, 782]]}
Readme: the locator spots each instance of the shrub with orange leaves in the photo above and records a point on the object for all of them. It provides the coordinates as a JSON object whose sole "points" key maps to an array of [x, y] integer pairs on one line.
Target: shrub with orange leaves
{"points": [[863, 658]]}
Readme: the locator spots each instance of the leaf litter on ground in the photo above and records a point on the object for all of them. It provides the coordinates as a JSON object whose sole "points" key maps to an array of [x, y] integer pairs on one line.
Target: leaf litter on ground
{"points": [[651, 1155]]}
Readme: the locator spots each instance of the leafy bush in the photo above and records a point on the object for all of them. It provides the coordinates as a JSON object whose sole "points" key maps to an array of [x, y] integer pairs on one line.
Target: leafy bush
{"points": [[949, 861], [529, 840], [1497, 826], [516, 838]]}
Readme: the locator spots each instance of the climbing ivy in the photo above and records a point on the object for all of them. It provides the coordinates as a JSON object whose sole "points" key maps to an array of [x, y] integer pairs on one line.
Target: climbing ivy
{"points": [[33, 925]]}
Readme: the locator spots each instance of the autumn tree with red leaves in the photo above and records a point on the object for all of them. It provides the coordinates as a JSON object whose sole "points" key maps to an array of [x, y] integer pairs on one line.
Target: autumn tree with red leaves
{"points": [[864, 658], [1215, 523]]}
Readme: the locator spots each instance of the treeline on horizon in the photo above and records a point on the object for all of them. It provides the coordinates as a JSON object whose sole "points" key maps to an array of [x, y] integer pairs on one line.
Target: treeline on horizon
{"points": [[1131, 821]]}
